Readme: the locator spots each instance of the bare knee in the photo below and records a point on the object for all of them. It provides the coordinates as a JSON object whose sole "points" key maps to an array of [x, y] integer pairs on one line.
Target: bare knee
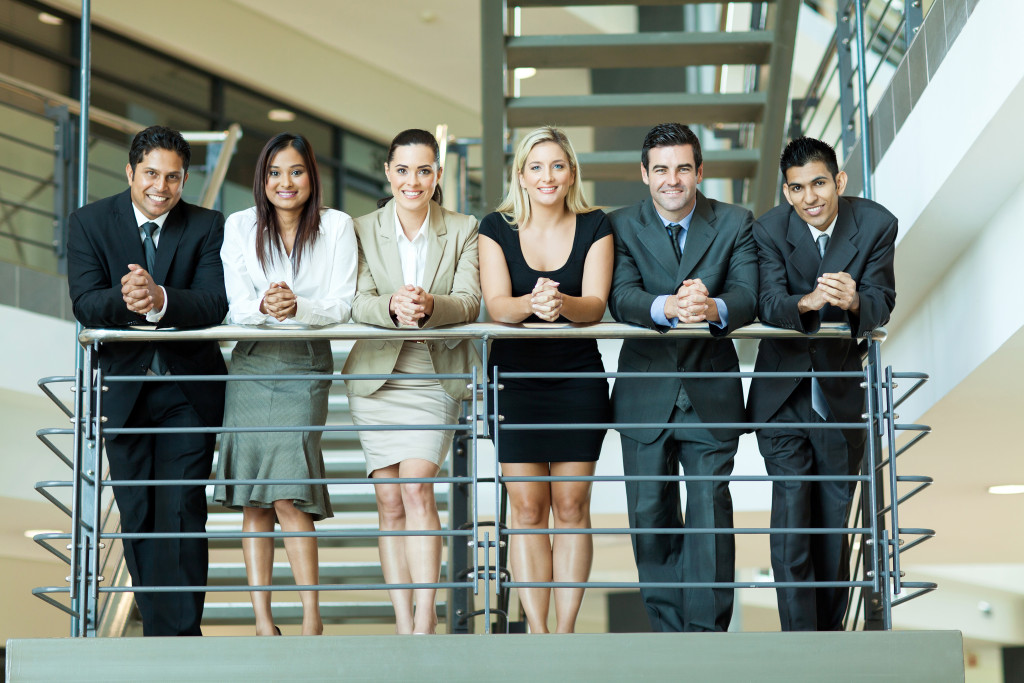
{"points": [[390, 507], [288, 514], [571, 511], [529, 511], [419, 498]]}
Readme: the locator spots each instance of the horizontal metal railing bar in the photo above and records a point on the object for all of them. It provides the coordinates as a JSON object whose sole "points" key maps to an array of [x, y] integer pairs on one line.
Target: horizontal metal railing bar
{"points": [[551, 426], [309, 428], [907, 427], [31, 209], [26, 176], [285, 482], [354, 331], [44, 385], [691, 477], [41, 593], [281, 378], [22, 141], [27, 240], [916, 531], [325, 533], [675, 531], [286, 588], [701, 374], [686, 584], [916, 594]]}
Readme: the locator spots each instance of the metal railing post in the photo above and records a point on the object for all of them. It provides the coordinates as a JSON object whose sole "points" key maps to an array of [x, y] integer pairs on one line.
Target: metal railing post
{"points": [[459, 512], [873, 499], [913, 16], [862, 100], [845, 38]]}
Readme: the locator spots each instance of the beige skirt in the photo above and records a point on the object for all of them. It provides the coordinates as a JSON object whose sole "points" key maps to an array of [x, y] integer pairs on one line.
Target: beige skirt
{"points": [[406, 402]]}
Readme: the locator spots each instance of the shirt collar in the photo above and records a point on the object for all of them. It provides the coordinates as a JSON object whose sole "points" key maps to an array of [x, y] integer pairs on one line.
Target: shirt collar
{"points": [[400, 234], [685, 223], [815, 233], [140, 218]]}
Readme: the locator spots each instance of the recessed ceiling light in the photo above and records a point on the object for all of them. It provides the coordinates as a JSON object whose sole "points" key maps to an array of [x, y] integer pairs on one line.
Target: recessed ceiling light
{"points": [[525, 72], [428, 16], [32, 533], [281, 115], [50, 19], [1006, 489]]}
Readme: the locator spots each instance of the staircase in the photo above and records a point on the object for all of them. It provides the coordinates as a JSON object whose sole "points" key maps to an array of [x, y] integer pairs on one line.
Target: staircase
{"points": [[747, 115]]}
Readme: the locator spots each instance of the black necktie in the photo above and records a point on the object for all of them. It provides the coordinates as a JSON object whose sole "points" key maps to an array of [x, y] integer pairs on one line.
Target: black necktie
{"points": [[822, 243], [157, 365], [150, 246], [673, 231]]}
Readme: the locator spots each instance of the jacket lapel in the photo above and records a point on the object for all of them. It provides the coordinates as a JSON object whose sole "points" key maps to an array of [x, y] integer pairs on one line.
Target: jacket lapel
{"points": [[840, 251], [655, 238], [699, 237], [804, 256], [127, 233], [170, 236], [437, 240], [388, 247]]}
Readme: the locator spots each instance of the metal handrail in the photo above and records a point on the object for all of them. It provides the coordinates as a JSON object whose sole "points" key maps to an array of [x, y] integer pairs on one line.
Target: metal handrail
{"points": [[881, 564]]}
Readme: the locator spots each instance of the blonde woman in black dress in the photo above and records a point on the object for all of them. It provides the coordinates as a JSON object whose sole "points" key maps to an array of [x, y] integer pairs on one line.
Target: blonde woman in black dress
{"points": [[546, 256], [286, 260]]}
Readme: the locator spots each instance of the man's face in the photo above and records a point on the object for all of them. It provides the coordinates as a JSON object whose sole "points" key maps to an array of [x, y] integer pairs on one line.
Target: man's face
{"points": [[672, 176], [814, 193], [157, 182]]}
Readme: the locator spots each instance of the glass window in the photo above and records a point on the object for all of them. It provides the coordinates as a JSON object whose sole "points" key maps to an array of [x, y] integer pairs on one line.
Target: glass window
{"points": [[24, 21], [358, 203], [252, 112], [364, 156]]}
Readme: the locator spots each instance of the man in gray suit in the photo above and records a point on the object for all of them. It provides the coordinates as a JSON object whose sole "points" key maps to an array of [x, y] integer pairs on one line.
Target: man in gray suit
{"points": [[681, 258]]}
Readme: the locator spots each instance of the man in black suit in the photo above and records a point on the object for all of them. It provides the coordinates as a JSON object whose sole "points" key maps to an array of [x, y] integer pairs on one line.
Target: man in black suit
{"points": [[681, 258], [823, 258], [145, 257]]}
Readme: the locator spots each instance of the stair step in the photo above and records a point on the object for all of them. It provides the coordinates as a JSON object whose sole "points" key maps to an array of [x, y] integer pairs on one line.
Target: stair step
{"points": [[233, 573], [728, 163], [618, 50], [240, 613], [640, 109]]}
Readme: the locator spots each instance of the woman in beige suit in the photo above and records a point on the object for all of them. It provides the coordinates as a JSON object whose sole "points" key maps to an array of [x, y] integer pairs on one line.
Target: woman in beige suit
{"points": [[418, 268]]}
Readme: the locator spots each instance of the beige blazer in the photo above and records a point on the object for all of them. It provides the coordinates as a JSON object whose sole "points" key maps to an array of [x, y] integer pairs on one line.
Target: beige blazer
{"points": [[452, 275]]}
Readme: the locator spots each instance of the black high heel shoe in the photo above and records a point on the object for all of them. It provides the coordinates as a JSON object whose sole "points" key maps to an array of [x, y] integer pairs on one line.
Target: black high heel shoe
{"points": [[278, 629]]}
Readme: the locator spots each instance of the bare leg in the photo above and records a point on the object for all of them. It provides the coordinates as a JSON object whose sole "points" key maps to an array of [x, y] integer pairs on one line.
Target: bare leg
{"points": [[303, 556], [258, 554], [530, 555], [391, 516], [422, 553], [572, 554]]}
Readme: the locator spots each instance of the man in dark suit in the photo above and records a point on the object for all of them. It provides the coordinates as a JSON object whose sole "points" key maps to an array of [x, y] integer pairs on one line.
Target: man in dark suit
{"points": [[823, 258], [681, 258], [145, 257]]}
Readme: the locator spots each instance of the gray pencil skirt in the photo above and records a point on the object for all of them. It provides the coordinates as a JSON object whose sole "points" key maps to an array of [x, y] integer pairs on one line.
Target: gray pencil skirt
{"points": [[276, 455]]}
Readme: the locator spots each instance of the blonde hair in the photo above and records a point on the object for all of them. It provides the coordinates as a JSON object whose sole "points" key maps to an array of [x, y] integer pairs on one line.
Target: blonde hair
{"points": [[515, 207]]}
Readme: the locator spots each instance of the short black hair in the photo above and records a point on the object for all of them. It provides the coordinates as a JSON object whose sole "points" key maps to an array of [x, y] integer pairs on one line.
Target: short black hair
{"points": [[670, 135], [805, 150], [158, 137]]}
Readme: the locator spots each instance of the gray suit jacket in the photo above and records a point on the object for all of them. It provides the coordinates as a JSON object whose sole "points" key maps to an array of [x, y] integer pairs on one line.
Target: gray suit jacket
{"points": [[452, 275], [720, 251]]}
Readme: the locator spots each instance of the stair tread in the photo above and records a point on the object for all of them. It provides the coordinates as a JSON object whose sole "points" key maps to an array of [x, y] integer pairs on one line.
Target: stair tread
{"points": [[622, 165], [634, 109]]}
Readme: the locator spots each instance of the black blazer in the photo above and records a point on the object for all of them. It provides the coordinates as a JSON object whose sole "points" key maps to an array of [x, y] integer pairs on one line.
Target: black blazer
{"points": [[103, 238], [719, 250], [863, 244]]}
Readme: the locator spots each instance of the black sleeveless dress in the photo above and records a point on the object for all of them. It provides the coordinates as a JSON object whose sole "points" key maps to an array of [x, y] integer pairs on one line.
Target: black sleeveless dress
{"points": [[539, 401]]}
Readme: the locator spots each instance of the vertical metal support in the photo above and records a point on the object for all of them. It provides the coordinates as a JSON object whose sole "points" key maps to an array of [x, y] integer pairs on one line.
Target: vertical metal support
{"points": [[913, 16], [873, 501], [63, 179], [90, 507], [493, 14], [84, 87], [862, 101], [894, 515], [844, 46], [459, 502]]}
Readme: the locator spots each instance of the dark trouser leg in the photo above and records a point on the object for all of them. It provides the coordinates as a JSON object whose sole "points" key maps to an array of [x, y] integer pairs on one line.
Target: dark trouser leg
{"points": [[655, 504], [707, 557], [164, 562]]}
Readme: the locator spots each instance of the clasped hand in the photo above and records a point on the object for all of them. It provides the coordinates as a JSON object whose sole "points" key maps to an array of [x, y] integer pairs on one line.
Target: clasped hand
{"points": [[690, 303], [139, 292], [279, 301], [410, 305], [837, 289], [546, 300]]}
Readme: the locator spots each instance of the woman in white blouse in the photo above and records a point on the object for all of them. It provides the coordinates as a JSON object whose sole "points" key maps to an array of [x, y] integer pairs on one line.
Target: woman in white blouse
{"points": [[286, 260], [418, 268]]}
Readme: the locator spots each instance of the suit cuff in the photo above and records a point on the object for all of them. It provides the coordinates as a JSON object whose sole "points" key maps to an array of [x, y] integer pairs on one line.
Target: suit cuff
{"points": [[155, 316], [658, 312], [723, 315]]}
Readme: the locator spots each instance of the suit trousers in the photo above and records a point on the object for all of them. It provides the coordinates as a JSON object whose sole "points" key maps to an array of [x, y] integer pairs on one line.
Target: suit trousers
{"points": [[700, 557], [148, 509], [803, 504]]}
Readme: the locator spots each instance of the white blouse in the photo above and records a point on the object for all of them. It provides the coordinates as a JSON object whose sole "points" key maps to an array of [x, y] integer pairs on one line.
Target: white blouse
{"points": [[324, 285]]}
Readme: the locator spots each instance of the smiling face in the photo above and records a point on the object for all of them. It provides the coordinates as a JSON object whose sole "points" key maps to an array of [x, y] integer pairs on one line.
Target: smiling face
{"points": [[413, 174], [547, 176], [814, 193], [157, 181], [287, 182], [672, 176]]}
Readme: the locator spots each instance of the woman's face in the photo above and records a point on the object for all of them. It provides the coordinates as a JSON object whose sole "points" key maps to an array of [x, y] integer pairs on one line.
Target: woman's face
{"points": [[287, 184], [547, 176], [413, 175]]}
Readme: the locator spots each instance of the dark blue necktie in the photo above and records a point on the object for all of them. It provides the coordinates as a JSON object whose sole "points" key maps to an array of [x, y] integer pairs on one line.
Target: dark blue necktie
{"points": [[818, 401], [673, 231], [156, 365]]}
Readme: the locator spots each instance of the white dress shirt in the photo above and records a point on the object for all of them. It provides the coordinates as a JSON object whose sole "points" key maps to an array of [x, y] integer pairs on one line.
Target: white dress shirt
{"points": [[154, 316], [324, 285], [815, 233], [413, 253]]}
